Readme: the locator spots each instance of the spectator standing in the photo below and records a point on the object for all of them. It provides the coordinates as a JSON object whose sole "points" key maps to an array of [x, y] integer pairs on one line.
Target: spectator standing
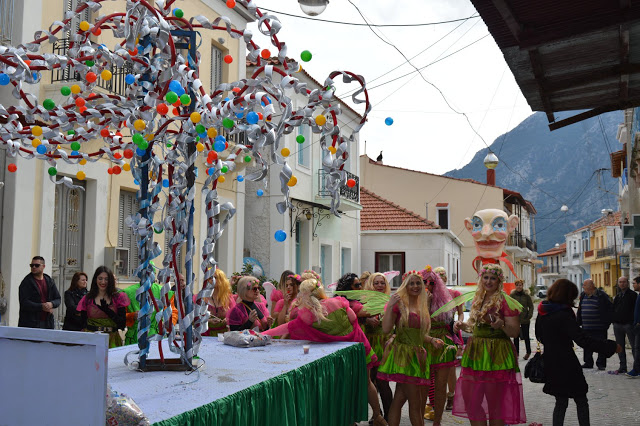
{"points": [[636, 331], [38, 297], [623, 305], [594, 315], [77, 290], [557, 329], [522, 296]]}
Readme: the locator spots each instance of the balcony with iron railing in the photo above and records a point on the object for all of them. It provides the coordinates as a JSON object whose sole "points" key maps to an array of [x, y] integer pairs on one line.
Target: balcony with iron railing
{"points": [[605, 252], [516, 239], [346, 193], [589, 256]]}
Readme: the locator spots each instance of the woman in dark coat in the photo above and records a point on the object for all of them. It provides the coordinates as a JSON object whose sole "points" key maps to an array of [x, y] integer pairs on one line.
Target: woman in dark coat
{"points": [[77, 290], [557, 329]]}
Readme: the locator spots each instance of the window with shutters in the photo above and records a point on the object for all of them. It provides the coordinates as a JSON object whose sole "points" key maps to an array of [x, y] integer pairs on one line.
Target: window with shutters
{"points": [[443, 217], [128, 206], [216, 67], [391, 261]]}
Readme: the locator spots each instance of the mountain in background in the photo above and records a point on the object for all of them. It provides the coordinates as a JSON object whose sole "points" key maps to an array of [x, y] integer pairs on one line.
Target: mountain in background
{"points": [[555, 168]]}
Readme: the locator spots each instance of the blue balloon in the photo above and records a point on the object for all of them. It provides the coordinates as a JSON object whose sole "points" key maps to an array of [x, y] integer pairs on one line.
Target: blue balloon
{"points": [[41, 149], [388, 121], [220, 138], [219, 146], [240, 178], [260, 192], [75, 153], [227, 99], [280, 235], [165, 183], [140, 152], [35, 75], [202, 135], [252, 118], [210, 171], [175, 86], [130, 79], [135, 181], [180, 91], [4, 79], [239, 115]]}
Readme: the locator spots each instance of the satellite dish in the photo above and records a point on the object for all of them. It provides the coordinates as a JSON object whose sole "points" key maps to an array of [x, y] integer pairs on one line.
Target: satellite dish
{"points": [[258, 270]]}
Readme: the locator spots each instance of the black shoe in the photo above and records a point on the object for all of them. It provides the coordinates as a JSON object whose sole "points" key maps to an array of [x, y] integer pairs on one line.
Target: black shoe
{"points": [[602, 368], [587, 366]]}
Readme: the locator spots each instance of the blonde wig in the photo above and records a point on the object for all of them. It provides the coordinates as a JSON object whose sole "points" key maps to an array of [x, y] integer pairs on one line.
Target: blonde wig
{"points": [[478, 312], [310, 294], [442, 273], [369, 284], [364, 278], [222, 290], [244, 284], [311, 274], [422, 303]]}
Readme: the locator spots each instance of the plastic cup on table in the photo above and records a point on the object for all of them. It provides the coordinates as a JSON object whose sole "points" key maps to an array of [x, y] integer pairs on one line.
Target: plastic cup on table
{"points": [[305, 349]]}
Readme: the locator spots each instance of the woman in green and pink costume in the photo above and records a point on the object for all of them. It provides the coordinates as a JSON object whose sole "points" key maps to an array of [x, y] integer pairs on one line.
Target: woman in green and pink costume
{"points": [[322, 319], [490, 386]]}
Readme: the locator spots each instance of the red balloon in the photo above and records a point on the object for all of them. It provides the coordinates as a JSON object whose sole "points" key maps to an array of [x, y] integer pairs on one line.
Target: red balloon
{"points": [[176, 111], [128, 153], [116, 170], [228, 59], [351, 183], [117, 155], [91, 77], [12, 168], [80, 102], [97, 31], [260, 116], [118, 134], [82, 109], [266, 54], [110, 170], [235, 90], [133, 52], [231, 4], [162, 109], [105, 133]]}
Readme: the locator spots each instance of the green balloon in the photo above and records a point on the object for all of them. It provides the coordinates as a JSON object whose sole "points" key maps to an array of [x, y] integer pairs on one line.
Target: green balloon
{"points": [[52, 171], [178, 13], [227, 123], [197, 138], [247, 158], [90, 63], [73, 132], [306, 56], [138, 138], [224, 169], [65, 90], [185, 99], [171, 97], [169, 145], [144, 145], [75, 146], [200, 128], [300, 139], [48, 104]]}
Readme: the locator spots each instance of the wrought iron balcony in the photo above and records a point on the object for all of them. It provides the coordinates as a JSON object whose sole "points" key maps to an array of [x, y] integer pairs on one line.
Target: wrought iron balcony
{"points": [[351, 194], [605, 252], [516, 239]]}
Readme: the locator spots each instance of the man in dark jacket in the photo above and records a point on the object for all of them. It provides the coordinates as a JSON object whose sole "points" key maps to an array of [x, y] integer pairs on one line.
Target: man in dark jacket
{"points": [[594, 315], [525, 317], [39, 296], [636, 331], [623, 305]]}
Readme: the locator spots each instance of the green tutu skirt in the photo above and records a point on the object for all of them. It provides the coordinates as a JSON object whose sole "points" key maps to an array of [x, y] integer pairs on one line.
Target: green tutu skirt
{"points": [[446, 355], [489, 350], [376, 338], [405, 359]]}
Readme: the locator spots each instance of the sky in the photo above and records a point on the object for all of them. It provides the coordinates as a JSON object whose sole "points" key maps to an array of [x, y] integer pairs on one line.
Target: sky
{"points": [[426, 134]]}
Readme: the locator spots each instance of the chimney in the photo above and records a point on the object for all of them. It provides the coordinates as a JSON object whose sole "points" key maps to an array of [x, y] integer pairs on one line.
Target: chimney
{"points": [[491, 177]]}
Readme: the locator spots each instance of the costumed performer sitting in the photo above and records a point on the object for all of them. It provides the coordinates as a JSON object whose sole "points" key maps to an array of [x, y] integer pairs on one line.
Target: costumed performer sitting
{"points": [[283, 310], [219, 304], [103, 309], [278, 293], [406, 359], [490, 385], [322, 319], [249, 312]]}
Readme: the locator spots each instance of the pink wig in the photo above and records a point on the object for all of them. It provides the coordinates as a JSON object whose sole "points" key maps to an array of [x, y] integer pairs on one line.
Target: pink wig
{"points": [[440, 295]]}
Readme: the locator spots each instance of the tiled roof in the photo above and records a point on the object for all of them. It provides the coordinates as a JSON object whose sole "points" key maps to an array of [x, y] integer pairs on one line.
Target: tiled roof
{"points": [[379, 214], [276, 62], [612, 219], [562, 248], [506, 192]]}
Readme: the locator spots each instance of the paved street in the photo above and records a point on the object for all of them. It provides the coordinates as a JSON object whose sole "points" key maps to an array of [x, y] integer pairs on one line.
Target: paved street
{"points": [[613, 400]]}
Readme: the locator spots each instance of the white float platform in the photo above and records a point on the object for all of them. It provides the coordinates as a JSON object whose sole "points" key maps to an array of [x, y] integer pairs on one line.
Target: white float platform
{"points": [[227, 370]]}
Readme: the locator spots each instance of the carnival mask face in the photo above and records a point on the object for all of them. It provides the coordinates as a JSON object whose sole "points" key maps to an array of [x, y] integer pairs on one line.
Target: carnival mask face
{"points": [[490, 229]]}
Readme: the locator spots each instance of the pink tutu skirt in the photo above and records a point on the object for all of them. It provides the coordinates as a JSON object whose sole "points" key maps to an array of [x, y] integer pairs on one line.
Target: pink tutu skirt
{"points": [[489, 395]]}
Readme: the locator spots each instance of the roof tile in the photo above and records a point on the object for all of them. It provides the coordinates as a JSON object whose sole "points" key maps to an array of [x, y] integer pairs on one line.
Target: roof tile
{"points": [[379, 214]]}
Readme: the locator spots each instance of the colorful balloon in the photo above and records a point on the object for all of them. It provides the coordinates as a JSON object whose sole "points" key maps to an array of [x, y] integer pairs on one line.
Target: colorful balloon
{"points": [[388, 121], [280, 235]]}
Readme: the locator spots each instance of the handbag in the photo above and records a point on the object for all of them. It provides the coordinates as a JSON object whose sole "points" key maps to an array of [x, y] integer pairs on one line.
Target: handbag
{"points": [[534, 370]]}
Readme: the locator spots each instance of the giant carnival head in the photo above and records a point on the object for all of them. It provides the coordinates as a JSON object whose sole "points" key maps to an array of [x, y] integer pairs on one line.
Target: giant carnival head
{"points": [[490, 229]]}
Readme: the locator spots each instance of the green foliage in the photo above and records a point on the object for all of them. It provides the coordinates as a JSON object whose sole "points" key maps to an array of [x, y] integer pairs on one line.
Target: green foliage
{"points": [[247, 270]]}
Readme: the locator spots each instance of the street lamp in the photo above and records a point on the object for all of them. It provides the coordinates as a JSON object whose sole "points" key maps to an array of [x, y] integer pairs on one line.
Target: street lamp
{"points": [[313, 7]]}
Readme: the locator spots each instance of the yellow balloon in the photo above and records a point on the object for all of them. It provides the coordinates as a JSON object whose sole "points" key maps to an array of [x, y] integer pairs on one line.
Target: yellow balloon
{"points": [[106, 75], [82, 162], [285, 152], [221, 179], [149, 137], [200, 147], [36, 143], [332, 149], [81, 175], [84, 26], [321, 120], [36, 131], [212, 133], [139, 125], [195, 117], [126, 167], [75, 89], [292, 181]]}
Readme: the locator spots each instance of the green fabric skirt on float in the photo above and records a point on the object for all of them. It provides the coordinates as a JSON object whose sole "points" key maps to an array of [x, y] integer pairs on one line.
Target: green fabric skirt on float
{"points": [[489, 350], [406, 360]]}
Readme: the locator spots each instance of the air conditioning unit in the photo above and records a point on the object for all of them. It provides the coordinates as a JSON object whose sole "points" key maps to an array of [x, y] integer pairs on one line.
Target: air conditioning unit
{"points": [[117, 259]]}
